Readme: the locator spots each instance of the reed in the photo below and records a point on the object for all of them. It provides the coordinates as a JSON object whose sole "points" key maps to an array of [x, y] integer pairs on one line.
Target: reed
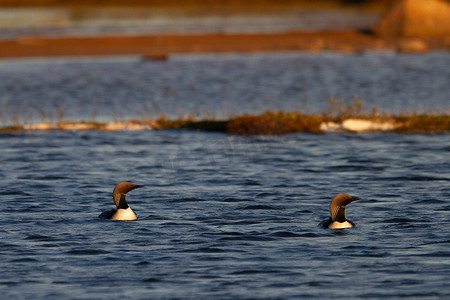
{"points": [[339, 109]]}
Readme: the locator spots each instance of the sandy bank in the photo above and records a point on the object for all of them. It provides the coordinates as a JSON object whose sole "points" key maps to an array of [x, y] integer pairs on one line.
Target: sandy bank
{"points": [[160, 46]]}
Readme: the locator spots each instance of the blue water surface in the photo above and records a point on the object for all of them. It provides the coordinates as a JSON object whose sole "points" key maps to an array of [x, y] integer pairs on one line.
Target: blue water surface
{"points": [[122, 88], [224, 217]]}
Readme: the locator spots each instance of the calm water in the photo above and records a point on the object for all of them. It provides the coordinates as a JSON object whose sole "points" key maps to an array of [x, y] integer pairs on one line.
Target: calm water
{"points": [[224, 216], [219, 85]]}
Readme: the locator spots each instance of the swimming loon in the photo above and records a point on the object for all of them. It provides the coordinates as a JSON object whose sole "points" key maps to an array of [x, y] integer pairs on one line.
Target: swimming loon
{"points": [[123, 211], [337, 211]]}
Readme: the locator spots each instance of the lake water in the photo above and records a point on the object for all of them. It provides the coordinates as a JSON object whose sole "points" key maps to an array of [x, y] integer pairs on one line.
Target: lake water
{"points": [[221, 216], [224, 217], [121, 88]]}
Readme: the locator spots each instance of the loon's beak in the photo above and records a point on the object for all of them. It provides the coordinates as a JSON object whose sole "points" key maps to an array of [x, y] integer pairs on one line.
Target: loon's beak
{"points": [[355, 198], [138, 186]]}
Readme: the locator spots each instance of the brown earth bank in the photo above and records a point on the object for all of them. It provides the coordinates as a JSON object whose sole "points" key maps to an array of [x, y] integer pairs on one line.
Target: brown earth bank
{"points": [[182, 3], [158, 46], [268, 123]]}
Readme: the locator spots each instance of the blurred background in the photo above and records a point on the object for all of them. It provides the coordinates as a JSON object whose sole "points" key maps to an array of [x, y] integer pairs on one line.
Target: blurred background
{"points": [[342, 48], [91, 17]]}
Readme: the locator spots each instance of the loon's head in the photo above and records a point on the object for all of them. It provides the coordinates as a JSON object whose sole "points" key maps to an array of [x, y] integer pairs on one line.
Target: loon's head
{"points": [[337, 207], [120, 192]]}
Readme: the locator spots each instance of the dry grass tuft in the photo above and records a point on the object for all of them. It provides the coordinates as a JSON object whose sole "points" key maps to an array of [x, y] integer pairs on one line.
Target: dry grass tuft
{"points": [[428, 123], [274, 123]]}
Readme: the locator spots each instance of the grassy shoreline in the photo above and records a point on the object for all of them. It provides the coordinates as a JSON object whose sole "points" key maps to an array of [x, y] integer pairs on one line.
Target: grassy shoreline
{"points": [[281, 122], [267, 123]]}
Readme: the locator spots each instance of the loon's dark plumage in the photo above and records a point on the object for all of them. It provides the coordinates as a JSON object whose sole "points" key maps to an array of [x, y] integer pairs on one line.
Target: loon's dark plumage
{"points": [[123, 211], [338, 219]]}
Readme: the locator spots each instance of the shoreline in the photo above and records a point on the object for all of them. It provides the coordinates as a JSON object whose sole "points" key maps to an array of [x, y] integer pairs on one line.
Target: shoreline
{"points": [[161, 46], [195, 3], [268, 123]]}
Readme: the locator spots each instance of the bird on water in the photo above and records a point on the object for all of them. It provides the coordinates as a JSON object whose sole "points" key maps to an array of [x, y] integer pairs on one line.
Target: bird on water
{"points": [[123, 211], [337, 211]]}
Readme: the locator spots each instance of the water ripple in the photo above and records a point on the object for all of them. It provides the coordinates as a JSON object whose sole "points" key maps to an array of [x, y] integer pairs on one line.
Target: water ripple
{"points": [[206, 229]]}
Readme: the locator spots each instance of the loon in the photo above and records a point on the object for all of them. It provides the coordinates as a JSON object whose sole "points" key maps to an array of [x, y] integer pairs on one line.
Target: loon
{"points": [[123, 211], [337, 211]]}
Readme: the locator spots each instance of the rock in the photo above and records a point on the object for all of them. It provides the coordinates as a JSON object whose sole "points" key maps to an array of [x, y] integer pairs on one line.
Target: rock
{"points": [[412, 45], [416, 18], [330, 126], [358, 125]]}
